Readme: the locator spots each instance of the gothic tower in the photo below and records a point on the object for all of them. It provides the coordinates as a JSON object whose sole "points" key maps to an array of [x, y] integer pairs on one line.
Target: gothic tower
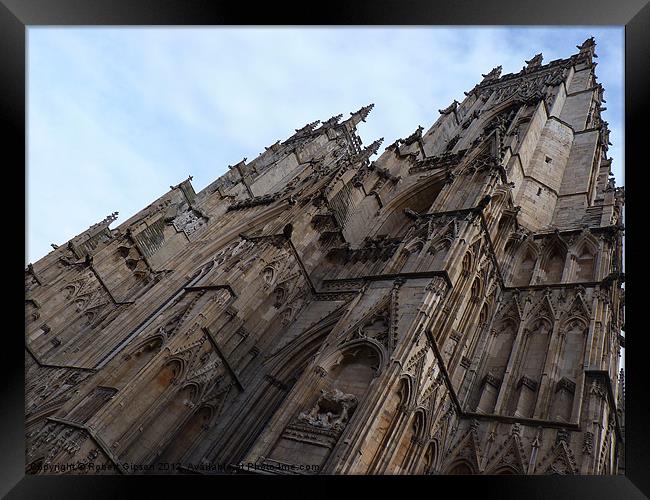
{"points": [[453, 307]]}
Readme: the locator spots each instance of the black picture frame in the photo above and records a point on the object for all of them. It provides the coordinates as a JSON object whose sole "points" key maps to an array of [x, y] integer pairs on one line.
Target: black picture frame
{"points": [[17, 15]]}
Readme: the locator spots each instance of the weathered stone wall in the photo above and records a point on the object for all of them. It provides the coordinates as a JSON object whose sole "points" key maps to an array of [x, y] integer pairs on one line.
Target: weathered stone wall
{"points": [[451, 307]]}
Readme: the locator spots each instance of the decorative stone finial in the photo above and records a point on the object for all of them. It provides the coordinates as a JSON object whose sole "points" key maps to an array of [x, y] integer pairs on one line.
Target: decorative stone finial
{"points": [[362, 114], [374, 147], [533, 63], [307, 128], [333, 121], [588, 44], [495, 74], [414, 136], [449, 109]]}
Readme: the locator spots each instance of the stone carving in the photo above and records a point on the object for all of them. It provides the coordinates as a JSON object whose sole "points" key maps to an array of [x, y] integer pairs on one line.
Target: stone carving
{"points": [[189, 222], [332, 410], [492, 75], [533, 63]]}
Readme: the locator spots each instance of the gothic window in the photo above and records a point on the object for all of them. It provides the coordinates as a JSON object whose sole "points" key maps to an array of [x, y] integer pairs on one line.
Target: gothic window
{"points": [[409, 444], [386, 427], [149, 392], [497, 361], [554, 266], [419, 200], [91, 404], [186, 437], [502, 229], [354, 370], [133, 361], [461, 468], [159, 429], [483, 316], [572, 347], [585, 265], [467, 263], [316, 429], [530, 368], [268, 275], [476, 289], [524, 271], [430, 458]]}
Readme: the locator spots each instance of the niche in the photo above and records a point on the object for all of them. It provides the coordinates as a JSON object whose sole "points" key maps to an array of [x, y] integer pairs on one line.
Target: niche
{"points": [[312, 434], [524, 271]]}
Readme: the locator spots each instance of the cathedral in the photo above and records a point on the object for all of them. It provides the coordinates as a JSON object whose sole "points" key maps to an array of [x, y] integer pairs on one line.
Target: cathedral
{"points": [[453, 307]]}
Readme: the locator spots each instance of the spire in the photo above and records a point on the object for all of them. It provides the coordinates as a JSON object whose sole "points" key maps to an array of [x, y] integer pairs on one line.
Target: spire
{"points": [[368, 151], [373, 148], [362, 114]]}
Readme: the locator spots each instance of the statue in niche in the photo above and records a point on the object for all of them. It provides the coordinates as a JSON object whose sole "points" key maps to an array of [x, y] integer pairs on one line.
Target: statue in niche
{"points": [[267, 275], [332, 410]]}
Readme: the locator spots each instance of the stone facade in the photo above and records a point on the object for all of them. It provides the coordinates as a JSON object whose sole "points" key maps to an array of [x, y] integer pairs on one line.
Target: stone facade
{"points": [[453, 307]]}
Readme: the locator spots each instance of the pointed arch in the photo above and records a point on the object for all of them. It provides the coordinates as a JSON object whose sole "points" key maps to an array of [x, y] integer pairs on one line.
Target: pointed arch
{"points": [[553, 261], [525, 265], [460, 467], [185, 439], [498, 356], [429, 463], [410, 443], [585, 259], [418, 198], [509, 458], [476, 289], [467, 263], [387, 424], [159, 429], [530, 367], [571, 353]]}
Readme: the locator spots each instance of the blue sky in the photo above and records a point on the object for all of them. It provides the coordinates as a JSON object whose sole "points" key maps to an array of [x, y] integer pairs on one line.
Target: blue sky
{"points": [[117, 115]]}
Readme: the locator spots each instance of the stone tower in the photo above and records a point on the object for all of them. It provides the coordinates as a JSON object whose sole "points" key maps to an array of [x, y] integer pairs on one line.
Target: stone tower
{"points": [[453, 307]]}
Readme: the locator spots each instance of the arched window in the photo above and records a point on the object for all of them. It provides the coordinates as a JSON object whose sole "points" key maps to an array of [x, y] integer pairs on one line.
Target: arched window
{"points": [[476, 289], [524, 271], [554, 266], [467, 263], [186, 437], [585, 265], [531, 367], [461, 468], [389, 419]]}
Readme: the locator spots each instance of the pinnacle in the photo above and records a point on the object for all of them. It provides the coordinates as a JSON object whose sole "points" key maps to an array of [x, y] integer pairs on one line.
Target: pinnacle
{"points": [[494, 73], [334, 120], [537, 58], [363, 113], [374, 147], [308, 128], [589, 42]]}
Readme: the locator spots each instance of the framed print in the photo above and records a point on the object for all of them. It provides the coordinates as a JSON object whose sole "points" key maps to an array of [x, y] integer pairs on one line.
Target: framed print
{"points": [[383, 245]]}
